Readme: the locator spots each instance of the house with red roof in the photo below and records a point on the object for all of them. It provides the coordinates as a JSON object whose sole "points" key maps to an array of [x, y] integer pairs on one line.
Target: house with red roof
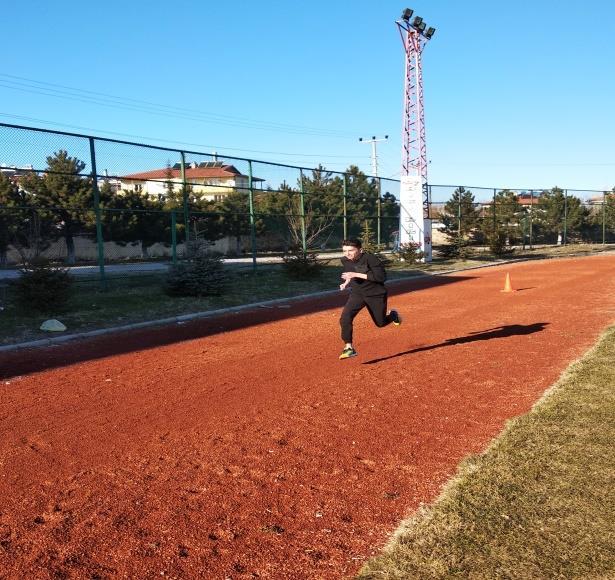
{"points": [[213, 180], [529, 199]]}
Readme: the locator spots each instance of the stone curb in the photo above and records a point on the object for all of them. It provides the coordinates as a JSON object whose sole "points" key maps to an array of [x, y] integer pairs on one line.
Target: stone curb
{"points": [[160, 322]]}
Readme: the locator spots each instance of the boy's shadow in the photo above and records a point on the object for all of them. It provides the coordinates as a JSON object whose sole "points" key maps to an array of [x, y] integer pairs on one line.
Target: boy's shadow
{"points": [[497, 332]]}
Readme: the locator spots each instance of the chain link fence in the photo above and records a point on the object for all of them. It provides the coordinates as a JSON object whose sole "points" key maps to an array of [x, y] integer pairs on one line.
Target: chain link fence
{"points": [[107, 207], [95, 203], [522, 217]]}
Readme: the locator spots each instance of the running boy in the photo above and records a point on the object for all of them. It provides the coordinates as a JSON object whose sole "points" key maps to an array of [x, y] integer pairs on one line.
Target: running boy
{"points": [[365, 275]]}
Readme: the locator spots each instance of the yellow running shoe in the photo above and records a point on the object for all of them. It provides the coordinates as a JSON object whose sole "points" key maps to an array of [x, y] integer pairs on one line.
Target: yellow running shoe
{"points": [[348, 352]]}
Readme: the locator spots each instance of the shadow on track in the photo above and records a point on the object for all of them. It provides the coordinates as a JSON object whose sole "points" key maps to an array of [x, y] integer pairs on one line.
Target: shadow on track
{"points": [[489, 334]]}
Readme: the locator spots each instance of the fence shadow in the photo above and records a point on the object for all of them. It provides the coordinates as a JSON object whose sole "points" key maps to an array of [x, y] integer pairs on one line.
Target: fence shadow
{"points": [[26, 361], [489, 334]]}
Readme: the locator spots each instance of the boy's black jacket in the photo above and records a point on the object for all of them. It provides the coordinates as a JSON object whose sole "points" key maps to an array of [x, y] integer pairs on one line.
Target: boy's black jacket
{"points": [[376, 275]]}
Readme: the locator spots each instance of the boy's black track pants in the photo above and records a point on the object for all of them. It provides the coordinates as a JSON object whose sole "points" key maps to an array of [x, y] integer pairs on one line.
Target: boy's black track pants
{"points": [[376, 306]]}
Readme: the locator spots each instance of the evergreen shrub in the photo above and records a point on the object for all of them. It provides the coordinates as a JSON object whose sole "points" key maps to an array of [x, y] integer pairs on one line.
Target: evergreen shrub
{"points": [[43, 287], [201, 275], [497, 244], [410, 253], [300, 265]]}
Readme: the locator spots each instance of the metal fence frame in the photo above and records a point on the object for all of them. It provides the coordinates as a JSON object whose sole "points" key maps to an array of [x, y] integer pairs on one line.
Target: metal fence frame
{"points": [[92, 145]]}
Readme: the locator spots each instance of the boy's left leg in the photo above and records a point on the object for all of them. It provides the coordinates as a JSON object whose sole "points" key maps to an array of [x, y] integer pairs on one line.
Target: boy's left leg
{"points": [[377, 307]]}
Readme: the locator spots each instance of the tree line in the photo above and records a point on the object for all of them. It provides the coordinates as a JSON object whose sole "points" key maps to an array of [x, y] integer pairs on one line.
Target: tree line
{"points": [[552, 216], [58, 203]]}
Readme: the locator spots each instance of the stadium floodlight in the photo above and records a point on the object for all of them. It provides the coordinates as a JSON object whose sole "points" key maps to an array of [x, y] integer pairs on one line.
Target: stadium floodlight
{"points": [[407, 14], [414, 219]]}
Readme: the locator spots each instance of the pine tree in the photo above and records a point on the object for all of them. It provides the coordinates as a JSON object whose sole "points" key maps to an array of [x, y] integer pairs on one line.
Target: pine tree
{"points": [[368, 243], [461, 215], [136, 217], [66, 197], [501, 224], [460, 219], [553, 207], [367, 239], [14, 216]]}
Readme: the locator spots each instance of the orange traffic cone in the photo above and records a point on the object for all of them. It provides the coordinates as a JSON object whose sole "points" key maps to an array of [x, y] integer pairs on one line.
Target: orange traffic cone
{"points": [[507, 285]]}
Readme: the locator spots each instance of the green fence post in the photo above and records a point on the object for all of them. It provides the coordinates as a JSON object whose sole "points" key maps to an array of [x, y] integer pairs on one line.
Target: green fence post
{"points": [[185, 201], [302, 212], [345, 215], [173, 237], [379, 211], [495, 218], [531, 220], [603, 218], [99, 237], [564, 240], [252, 221], [458, 217]]}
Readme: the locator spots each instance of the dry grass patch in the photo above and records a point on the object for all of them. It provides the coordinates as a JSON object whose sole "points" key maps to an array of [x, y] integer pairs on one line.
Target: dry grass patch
{"points": [[538, 503]]}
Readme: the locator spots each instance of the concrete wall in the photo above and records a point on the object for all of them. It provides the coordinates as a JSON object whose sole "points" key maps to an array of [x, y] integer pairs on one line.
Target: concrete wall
{"points": [[86, 250]]}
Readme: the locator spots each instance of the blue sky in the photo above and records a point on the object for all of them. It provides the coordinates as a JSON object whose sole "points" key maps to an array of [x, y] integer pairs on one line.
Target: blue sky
{"points": [[517, 95]]}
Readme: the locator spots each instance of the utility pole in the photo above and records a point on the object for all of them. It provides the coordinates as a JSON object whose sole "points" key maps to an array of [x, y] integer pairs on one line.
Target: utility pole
{"points": [[373, 141], [414, 217]]}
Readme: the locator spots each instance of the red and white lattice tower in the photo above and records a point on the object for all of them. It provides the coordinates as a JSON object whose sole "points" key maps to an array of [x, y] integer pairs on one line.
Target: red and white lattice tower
{"points": [[414, 218]]}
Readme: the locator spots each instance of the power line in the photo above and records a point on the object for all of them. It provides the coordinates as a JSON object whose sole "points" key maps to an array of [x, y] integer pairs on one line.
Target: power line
{"points": [[168, 141], [23, 84]]}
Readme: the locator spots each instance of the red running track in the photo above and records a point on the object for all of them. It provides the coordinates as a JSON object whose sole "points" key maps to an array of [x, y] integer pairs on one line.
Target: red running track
{"points": [[241, 447]]}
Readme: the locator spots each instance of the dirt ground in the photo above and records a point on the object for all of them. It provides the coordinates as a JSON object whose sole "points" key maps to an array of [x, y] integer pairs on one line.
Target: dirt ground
{"points": [[241, 447]]}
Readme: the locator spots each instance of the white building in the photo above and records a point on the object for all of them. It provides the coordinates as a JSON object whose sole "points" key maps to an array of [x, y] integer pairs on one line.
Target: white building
{"points": [[214, 180]]}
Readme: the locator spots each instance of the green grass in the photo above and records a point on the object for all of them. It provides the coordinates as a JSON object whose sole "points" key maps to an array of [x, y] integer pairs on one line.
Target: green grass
{"points": [[538, 503]]}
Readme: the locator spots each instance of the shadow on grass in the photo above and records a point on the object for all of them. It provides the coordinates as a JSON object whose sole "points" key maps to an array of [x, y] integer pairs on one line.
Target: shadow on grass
{"points": [[26, 361], [489, 334]]}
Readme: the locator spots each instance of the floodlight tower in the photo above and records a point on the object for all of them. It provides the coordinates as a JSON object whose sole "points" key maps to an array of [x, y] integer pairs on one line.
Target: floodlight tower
{"points": [[414, 219]]}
